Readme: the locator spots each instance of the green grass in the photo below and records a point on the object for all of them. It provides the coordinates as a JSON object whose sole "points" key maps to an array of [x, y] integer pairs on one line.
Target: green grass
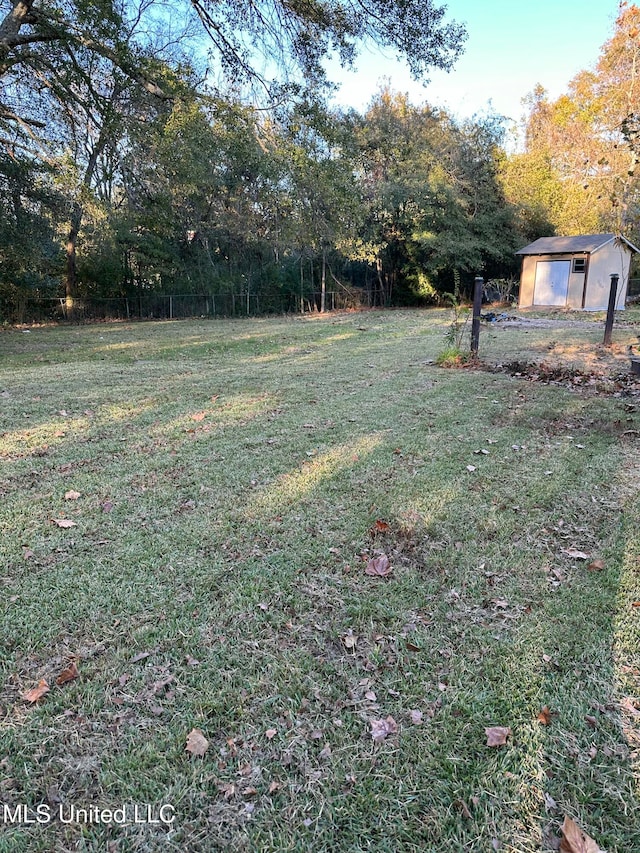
{"points": [[230, 477]]}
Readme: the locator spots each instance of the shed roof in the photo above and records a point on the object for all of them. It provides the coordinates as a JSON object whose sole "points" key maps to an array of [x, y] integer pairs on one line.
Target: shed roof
{"points": [[567, 245]]}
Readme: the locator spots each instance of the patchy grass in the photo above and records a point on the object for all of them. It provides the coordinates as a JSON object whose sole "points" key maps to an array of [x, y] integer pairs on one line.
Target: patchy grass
{"points": [[230, 477]]}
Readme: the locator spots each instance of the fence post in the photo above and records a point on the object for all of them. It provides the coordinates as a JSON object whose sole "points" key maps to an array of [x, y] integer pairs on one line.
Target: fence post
{"points": [[475, 319], [608, 326]]}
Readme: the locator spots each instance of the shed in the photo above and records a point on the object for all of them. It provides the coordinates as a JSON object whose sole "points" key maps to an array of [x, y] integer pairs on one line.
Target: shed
{"points": [[575, 272]]}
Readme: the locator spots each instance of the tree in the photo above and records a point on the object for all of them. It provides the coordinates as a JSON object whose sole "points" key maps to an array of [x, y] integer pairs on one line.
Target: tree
{"points": [[319, 201], [577, 173], [432, 197], [291, 34]]}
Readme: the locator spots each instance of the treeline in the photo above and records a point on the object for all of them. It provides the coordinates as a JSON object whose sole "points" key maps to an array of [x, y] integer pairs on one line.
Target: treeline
{"points": [[124, 172]]}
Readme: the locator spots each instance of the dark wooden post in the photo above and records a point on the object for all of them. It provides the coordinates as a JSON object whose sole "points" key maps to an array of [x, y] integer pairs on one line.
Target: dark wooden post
{"points": [[608, 326], [475, 318]]}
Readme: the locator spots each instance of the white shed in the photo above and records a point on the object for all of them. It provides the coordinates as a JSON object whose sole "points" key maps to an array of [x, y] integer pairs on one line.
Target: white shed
{"points": [[575, 272]]}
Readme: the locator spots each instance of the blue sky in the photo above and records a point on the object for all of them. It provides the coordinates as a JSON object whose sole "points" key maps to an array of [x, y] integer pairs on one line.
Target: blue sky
{"points": [[512, 46]]}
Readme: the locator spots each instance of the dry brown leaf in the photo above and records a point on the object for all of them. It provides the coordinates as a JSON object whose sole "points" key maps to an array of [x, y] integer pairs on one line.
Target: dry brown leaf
{"points": [[545, 716], [36, 693], [68, 674], [380, 729], [65, 523], [497, 735], [271, 733], [198, 416], [72, 495], [575, 554], [575, 840], [325, 753], [350, 640], [379, 567], [464, 808], [380, 526], [416, 717], [197, 744], [596, 566]]}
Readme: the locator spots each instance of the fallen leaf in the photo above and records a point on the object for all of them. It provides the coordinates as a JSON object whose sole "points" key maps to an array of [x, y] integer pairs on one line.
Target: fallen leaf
{"points": [[65, 523], [227, 789], [471, 468], [549, 803], [381, 526], [596, 566], [575, 554], [575, 840], [325, 752], [198, 416], [191, 661], [350, 640], [274, 786], [71, 495], [271, 733], [497, 735], [140, 656], [464, 808], [379, 567], [107, 506], [197, 744], [27, 553], [36, 693], [68, 674], [591, 721], [380, 729], [416, 717], [545, 716]]}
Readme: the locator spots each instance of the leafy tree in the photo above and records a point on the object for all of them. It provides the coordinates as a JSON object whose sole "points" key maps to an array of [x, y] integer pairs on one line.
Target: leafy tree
{"points": [[432, 197], [578, 170]]}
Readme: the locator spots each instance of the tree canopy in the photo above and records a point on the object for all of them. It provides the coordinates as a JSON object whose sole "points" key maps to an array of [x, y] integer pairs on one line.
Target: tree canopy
{"points": [[577, 172]]}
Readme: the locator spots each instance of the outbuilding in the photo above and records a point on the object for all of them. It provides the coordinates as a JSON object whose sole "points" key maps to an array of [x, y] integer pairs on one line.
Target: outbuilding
{"points": [[575, 272]]}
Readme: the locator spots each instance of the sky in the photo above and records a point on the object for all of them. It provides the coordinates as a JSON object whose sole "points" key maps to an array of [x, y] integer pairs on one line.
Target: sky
{"points": [[512, 45]]}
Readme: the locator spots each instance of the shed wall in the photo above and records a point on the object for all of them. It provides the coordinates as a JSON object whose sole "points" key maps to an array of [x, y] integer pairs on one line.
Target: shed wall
{"points": [[610, 259]]}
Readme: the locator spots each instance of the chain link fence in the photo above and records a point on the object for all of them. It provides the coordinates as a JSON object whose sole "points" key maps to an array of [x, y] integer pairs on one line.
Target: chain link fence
{"points": [[25, 309]]}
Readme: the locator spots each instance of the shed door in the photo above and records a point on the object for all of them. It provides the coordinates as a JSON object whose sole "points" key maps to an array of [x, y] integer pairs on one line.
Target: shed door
{"points": [[552, 283]]}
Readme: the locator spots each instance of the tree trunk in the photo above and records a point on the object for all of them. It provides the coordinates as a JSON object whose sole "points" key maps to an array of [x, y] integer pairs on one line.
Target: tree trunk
{"points": [[71, 281], [323, 282]]}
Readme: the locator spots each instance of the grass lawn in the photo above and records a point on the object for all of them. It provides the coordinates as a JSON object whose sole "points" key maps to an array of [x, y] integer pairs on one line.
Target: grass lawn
{"points": [[340, 564]]}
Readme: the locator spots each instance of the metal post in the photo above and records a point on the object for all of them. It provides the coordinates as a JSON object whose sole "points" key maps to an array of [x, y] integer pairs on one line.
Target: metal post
{"points": [[608, 326], [475, 319]]}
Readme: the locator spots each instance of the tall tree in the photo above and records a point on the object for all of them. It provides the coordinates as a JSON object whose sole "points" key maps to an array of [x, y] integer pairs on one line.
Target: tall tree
{"points": [[432, 196], [578, 172]]}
